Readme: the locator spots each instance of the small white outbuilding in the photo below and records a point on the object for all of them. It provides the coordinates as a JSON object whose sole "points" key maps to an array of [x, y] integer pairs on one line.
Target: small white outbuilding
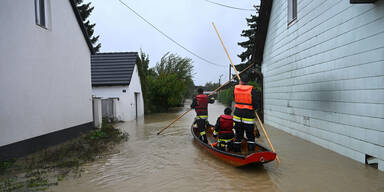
{"points": [[115, 79]]}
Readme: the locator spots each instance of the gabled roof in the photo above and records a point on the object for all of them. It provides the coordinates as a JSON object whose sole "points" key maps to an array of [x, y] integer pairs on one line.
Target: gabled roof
{"points": [[112, 68], [82, 27]]}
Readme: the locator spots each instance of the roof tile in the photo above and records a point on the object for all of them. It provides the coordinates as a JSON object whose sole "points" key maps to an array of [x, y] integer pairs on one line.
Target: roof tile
{"points": [[112, 68]]}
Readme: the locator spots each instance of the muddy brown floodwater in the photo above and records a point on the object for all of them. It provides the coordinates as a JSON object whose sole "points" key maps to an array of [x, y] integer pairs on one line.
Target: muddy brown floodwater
{"points": [[172, 161]]}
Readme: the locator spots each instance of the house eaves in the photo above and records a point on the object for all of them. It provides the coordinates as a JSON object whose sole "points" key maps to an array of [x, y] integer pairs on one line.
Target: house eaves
{"points": [[82, 27], [261, 34]]}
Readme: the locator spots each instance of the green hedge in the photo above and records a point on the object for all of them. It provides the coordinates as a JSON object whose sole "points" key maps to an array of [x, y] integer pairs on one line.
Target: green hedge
{"points": [[226, 96]]}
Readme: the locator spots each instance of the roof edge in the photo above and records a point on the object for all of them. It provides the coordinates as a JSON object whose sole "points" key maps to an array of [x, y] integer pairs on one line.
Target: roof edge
{"points": [[264, 17], [106, 53], [82, 27], [110, 84]]}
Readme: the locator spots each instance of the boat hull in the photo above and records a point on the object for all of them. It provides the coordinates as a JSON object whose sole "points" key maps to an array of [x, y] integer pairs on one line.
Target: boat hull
{"points": [[260, 156]]}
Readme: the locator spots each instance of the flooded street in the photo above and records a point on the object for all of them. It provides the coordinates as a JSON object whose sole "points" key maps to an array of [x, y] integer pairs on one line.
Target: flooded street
{"points": [[172, 161]]}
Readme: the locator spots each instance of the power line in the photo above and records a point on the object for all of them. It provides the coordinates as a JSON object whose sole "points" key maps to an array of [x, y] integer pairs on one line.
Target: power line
{"points": [[168, 37], [231, 7]]}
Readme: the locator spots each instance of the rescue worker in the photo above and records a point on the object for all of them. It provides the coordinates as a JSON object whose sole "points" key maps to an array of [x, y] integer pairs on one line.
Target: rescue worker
{"points": [[223, 130], [244, 114], [200, 104]]}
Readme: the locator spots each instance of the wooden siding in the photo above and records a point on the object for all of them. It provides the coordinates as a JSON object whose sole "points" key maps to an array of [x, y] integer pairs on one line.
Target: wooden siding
{"points": [[324, 75]]}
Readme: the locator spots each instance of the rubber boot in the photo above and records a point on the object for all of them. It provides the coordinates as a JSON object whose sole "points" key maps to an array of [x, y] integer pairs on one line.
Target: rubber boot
{"points": [[230, 146], [236, 146], [221, 146], [251, 147], [204, 138], [257, 134], [226, 147]]}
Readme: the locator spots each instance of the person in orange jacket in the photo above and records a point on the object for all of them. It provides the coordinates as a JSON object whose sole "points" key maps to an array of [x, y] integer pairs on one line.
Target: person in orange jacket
{"points": [[244, 114], [223, 130], [200, 104]]}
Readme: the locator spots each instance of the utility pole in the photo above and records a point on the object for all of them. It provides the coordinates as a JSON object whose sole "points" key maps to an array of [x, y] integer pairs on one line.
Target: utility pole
{"points": [[230, 76], [218, 93], [220, 79]]}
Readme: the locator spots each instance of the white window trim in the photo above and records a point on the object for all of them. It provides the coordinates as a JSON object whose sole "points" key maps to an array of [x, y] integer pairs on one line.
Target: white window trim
{"points": [[291, 11], [46, 13]]}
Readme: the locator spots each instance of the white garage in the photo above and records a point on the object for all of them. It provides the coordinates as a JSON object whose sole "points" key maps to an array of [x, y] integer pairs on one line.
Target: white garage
{"points": [[115, 79]]}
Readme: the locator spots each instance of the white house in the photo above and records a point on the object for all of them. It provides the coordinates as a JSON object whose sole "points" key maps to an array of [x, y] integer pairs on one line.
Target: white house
{"points": [[45, 75], [323, 67], [115, 76]]}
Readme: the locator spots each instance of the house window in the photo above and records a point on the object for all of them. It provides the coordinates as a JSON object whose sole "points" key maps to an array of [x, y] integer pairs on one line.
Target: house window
{"points": [[361, 1], [292, 10], [41, 13]]}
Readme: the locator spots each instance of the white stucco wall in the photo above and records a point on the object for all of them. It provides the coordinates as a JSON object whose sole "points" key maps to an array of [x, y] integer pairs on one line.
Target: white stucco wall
{"points": [[125, 108], [45, 79], [324, 75]]}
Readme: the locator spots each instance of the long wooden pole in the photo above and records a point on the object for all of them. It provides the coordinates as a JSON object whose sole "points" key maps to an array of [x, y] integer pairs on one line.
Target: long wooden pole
{"points": [[234, 68], [174, 121], [266, 136], [226, 51], [213, 92]]}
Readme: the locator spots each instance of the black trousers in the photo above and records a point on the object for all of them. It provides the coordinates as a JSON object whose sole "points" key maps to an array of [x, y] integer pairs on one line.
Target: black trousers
{"points": [[201, 127], [225, 145], [226, 136], [240, 128], [201, 124]]}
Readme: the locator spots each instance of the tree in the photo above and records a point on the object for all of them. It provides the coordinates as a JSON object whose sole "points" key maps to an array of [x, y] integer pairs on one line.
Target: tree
{"points": [[211, 86], [190, 88], [85, 11], [252, 45], [172, 81], [167, 84], [146, 79], [248, 55], [174, 64], [142, 63]]}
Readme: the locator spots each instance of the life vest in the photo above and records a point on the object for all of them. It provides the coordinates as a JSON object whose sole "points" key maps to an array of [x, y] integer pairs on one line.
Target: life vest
{"points": [[202, 103], [243, 97], [226, 124]]}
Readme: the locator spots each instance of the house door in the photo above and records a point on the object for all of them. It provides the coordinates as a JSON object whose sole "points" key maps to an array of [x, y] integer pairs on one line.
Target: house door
{"points": [[107, 108], [136, 105]]}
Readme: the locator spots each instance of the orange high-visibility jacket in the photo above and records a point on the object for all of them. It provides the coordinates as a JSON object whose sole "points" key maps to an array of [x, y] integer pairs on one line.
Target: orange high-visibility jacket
{"points": [[243, 97]]}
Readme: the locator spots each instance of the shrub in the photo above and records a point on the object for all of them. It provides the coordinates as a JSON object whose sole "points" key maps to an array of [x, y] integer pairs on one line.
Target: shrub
{"points": [[226, 96]]}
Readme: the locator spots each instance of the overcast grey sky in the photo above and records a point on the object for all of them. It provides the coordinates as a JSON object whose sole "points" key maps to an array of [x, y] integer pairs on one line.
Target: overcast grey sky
{"points": [[186, 21]]}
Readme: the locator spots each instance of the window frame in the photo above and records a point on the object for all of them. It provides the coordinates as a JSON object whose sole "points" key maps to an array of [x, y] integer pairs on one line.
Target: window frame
{"points": [[291, 11], [361, 1], [41, 13]]}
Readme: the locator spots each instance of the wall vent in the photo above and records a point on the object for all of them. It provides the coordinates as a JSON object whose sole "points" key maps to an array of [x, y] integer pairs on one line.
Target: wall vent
{"points": [[371, 161]]}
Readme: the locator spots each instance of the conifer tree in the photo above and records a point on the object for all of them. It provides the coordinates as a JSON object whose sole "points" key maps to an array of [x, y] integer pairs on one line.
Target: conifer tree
{"points": [[85, 10], [247, 56]]}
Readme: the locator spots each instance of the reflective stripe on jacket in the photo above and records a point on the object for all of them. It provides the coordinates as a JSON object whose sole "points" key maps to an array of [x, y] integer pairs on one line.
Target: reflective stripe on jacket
{"points": [[201, 117], [243, 120], [243, 97], [226, 124]]}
